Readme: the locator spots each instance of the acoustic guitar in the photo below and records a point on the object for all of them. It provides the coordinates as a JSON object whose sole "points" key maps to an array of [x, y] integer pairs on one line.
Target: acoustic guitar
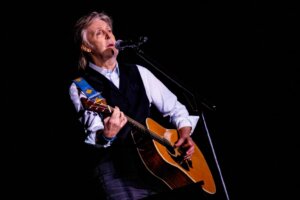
{"points": [[155, 145]]}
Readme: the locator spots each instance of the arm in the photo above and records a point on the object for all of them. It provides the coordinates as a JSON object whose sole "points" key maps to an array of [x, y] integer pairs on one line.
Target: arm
{"points": [[93, 123], [168, 104]]}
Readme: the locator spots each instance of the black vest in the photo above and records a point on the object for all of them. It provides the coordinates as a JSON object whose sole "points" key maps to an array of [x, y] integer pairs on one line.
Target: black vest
{"points": [[131, 96]]}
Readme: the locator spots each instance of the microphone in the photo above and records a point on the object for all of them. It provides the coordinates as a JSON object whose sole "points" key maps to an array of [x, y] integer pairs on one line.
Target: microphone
{"points": [[123, 44]]}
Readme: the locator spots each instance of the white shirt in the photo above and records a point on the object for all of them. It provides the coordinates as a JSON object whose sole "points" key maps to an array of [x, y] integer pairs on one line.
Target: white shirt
{"points": [[158, 94]]}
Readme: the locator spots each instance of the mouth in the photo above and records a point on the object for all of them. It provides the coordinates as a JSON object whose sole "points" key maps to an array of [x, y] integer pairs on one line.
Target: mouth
{"points": [[110, 45]]}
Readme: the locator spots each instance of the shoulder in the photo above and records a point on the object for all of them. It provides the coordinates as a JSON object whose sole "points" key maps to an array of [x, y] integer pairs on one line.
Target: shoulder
{"points": [[144, 70], [131, 68]]}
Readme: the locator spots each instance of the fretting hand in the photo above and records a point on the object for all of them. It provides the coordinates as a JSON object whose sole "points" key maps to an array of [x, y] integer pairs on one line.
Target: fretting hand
{"points": [[114, 123]]}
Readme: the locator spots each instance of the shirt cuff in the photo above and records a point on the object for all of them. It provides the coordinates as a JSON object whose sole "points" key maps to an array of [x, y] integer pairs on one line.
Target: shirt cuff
{"points": [[189, 121]]}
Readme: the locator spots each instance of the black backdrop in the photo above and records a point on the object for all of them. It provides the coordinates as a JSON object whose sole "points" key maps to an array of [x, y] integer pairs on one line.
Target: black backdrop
{"points": [[240, 57]]}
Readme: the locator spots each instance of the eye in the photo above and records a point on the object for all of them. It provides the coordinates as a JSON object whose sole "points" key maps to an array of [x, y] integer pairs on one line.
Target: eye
{"points": [[99, 32]]}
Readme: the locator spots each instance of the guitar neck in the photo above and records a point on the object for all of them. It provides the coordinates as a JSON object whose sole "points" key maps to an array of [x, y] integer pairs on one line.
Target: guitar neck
{"points": [[144, 130], [102, 107]]}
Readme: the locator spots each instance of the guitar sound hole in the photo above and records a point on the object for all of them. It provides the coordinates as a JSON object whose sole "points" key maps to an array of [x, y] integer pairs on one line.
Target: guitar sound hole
{"points": [[171, 150]]}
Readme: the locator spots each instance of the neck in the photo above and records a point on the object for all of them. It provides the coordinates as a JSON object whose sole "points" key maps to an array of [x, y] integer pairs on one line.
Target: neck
{"points": [[110, 64]]}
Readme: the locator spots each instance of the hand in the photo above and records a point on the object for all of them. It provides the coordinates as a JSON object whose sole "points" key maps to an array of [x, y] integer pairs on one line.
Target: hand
{"points": [[185, 142], [114, 123]]}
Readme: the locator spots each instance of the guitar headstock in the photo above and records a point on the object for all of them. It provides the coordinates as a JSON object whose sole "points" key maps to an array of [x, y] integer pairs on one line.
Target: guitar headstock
{"points": [[99, 105]]}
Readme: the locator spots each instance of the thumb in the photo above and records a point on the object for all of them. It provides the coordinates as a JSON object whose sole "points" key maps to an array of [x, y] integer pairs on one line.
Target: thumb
{"points": [[179, 142]]}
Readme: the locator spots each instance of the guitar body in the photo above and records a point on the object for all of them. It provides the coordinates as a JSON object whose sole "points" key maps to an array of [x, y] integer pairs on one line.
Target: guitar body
{"points": [[167, 164], [155, 146]]}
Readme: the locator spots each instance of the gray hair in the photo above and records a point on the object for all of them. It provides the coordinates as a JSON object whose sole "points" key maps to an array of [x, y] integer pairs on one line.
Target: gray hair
{"points": [[80, 33]]}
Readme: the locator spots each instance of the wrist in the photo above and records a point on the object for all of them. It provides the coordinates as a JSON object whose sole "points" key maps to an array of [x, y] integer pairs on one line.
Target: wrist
{"points": [[108, 139], [103, 141]]}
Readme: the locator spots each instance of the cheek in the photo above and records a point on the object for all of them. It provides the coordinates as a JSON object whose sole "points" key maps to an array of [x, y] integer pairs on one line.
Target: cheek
{"points": [[99, 46]]}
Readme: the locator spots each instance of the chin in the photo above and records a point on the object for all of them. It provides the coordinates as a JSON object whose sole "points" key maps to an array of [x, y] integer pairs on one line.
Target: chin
{"points": [[110, 53]]}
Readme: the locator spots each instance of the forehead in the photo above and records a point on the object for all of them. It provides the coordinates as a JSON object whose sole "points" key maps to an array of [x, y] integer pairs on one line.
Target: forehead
{"points": [[97, 24]]}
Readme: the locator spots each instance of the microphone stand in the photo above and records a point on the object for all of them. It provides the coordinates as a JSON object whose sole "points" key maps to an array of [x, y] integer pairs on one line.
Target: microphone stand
{"points": [[205, 104]]}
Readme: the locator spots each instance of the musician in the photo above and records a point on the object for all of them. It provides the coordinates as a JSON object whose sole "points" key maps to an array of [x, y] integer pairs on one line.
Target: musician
{"points": [[117, 170]]}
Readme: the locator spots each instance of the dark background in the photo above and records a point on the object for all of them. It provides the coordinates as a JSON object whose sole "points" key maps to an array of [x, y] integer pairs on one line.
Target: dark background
{"points": [[241, 57]]}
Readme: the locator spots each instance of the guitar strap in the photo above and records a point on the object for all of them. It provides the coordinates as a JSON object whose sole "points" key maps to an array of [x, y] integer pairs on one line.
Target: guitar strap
{"points": [[88, 90], [95, 96]]}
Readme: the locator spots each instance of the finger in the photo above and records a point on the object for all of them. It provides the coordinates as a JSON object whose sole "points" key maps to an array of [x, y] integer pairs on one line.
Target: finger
{"points": [[187, 156], [123, 121], [116, 113], [179, 142], [190, 151], [122, 115], [106, 119]]}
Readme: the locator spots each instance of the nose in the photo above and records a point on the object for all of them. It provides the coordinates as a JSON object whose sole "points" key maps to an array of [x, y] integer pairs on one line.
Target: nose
{"points": [[107, 34]]}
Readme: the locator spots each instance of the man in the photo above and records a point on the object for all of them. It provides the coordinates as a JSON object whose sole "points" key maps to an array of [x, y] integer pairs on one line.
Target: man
{"points": [[119, 171]]}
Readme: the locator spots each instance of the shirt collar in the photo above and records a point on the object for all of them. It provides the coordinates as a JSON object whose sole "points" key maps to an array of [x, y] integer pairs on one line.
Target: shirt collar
{"points": [[104, 71]]}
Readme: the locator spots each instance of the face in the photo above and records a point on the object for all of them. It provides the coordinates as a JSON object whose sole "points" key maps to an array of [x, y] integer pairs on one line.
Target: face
{"points": [[101, 40]]}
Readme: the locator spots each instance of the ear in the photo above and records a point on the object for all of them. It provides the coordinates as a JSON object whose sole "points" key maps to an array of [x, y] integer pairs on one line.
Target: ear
{"points": [[85, 48]]}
